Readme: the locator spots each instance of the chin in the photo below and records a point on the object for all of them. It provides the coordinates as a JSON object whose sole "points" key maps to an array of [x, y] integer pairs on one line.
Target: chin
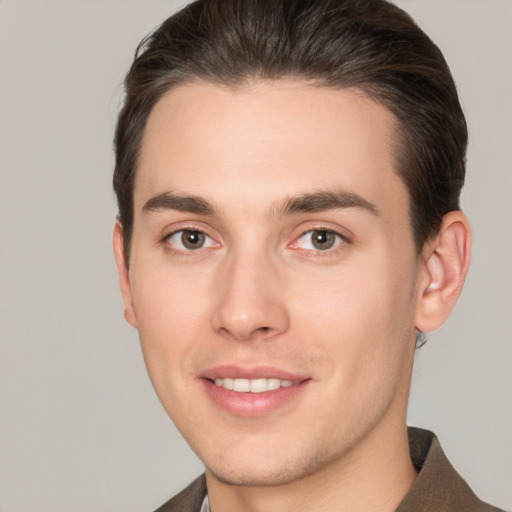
{"points": [[251, 478], [268, 473]]}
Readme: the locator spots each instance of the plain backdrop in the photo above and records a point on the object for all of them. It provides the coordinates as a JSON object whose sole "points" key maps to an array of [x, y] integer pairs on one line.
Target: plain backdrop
{"points": [[80, 427]]}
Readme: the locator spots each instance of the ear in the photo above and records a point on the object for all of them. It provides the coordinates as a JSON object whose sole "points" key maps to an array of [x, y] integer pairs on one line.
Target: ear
{"points": [[124, 276], [445, 265]]}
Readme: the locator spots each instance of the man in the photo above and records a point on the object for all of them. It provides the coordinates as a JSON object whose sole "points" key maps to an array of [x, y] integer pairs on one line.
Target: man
{"points": [[288, 175]]}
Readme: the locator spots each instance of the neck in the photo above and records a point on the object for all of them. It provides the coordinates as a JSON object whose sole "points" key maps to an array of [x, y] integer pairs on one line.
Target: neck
{"points": [[376, 475]]}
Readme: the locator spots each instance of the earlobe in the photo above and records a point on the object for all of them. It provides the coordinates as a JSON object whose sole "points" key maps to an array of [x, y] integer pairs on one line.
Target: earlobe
{"points": [[445, 264], [124, 276]]}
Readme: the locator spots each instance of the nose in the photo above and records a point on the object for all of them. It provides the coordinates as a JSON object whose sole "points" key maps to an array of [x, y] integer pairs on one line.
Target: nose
{"points": [[249, 299]]}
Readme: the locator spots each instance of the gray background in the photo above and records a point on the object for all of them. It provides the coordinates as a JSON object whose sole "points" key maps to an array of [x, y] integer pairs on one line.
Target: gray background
{"points": [[80, 427]]}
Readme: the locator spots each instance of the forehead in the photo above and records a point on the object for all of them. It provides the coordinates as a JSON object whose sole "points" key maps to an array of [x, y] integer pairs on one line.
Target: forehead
{"points": [[267, 140]]}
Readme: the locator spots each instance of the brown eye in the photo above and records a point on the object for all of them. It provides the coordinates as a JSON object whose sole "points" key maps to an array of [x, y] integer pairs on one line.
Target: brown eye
{"points": [[192, 239], [319, 240], [322, 239]]}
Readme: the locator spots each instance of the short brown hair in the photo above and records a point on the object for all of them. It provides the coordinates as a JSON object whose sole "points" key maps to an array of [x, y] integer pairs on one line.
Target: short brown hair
{"points": [[368, 44]]}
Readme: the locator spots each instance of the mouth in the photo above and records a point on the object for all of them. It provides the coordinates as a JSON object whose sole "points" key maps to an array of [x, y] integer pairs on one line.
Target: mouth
{"points": [[255, 392]]}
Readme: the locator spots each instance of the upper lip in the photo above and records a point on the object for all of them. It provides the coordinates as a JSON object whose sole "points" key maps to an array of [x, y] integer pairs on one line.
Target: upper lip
{"points": [[256, 372]]}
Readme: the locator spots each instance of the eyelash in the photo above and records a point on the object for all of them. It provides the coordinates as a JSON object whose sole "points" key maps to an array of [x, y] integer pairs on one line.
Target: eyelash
{"points": [[184, 252], [339, 242]]}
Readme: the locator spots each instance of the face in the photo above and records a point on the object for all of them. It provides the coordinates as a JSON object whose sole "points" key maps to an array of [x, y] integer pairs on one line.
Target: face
{"points": [[273, 275]]}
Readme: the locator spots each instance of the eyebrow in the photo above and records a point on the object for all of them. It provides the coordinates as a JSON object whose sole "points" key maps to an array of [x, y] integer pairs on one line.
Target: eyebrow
{"points": [[309, 202], [325, 200], [170, 201]]}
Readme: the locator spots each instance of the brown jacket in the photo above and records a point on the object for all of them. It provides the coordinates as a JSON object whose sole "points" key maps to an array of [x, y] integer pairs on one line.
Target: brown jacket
{"points": [[438, 487]]}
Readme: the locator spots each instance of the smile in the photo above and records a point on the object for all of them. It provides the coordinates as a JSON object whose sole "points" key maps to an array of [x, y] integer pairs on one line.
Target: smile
{"points": [[253, 385], [253, 392]]}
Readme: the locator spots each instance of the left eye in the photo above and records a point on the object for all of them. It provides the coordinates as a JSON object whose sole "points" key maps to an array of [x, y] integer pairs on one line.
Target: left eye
{"points": [[319, 240], [190, 240]]}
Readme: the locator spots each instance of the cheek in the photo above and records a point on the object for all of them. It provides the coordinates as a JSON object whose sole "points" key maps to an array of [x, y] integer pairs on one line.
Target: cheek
{"points": [[365, 329], [171, 313], [167, 298], [362, 315]]}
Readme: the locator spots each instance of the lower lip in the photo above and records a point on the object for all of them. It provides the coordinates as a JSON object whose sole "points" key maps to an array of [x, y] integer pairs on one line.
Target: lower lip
{"points": [[252, 404]]}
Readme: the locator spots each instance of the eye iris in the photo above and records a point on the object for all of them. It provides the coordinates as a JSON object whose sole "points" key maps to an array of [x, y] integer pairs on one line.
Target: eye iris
{"points": [[323, 240], [192, 239]]}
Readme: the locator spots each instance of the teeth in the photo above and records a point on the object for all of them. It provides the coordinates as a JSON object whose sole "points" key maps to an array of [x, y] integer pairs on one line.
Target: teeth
{"points": [[253, 385]]}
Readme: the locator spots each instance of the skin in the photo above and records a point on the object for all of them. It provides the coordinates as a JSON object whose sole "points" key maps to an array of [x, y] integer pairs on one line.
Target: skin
{"points": [[259, 293]]}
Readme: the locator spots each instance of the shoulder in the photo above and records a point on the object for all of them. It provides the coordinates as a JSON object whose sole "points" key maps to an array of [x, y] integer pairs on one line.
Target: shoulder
{"points": [[189, 499], [438, 486]]}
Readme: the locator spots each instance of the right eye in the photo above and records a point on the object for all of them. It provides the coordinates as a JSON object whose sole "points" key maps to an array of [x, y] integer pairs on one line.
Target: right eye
{"points": [[190, 240]]}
